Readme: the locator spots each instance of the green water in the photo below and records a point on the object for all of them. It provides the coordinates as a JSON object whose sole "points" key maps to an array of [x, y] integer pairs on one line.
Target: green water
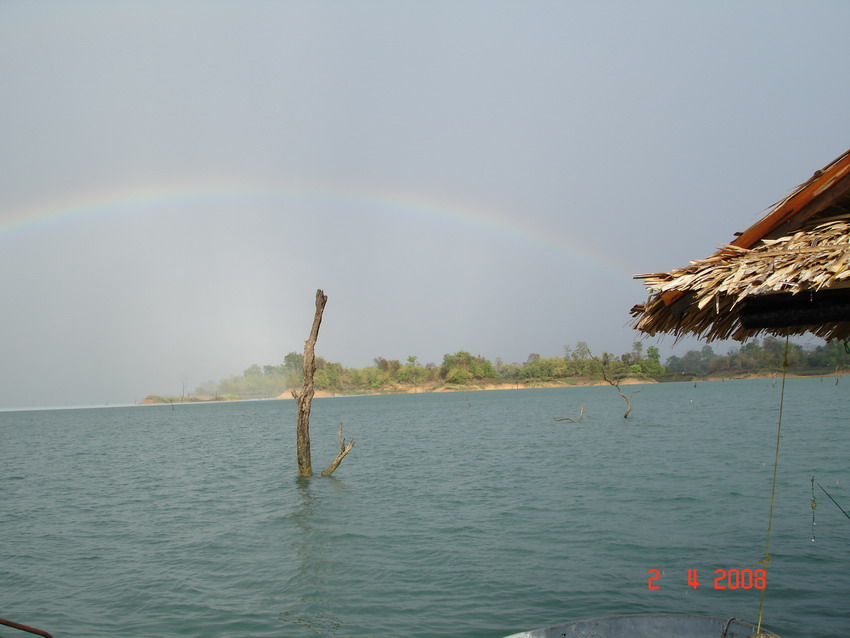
{"points": [[455, 515]]}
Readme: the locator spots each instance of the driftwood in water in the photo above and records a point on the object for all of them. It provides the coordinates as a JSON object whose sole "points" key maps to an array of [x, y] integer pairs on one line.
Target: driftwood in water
{"points": [[343, 451], [566, 418]]}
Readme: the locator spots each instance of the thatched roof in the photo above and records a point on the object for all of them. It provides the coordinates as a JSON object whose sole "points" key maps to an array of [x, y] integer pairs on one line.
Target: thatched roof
{"points": [[789, 273]]}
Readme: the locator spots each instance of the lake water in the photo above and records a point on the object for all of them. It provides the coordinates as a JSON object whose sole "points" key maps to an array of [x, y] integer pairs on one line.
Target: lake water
{"points": [[457, 515]]}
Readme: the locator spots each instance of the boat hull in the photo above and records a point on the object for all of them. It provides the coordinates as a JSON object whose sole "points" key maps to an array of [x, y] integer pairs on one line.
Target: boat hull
{"points": [[650, 626]]}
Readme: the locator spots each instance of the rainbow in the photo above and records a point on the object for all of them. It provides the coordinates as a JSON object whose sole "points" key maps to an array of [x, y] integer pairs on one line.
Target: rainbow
{"points": [[141, 199]]}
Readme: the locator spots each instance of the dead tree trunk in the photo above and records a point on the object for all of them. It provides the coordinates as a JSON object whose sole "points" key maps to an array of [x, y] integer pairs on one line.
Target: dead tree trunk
{"points": [[304, 396], [304, 399]]}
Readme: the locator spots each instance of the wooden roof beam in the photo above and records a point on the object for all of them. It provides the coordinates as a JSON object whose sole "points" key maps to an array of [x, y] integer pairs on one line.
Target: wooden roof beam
{"points": [[793, 209]]}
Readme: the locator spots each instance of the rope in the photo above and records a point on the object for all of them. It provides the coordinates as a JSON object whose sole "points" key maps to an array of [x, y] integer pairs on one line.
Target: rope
{"points": [[766, 560], [814, 507], [828, 494]]}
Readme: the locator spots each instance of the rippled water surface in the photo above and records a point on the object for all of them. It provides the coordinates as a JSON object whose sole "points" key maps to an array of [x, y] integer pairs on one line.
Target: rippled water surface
{"points": [[455, 515]]}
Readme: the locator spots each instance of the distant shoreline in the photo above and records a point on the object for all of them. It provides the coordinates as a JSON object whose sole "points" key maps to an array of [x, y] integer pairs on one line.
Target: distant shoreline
{"points": [[444, 388], [397, 388]]}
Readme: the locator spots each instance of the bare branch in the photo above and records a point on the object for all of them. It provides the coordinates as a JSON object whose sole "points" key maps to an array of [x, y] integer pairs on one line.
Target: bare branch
{"points": [[343, 452]]}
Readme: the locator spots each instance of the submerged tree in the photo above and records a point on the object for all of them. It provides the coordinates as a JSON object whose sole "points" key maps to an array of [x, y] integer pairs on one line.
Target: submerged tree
{"points": [[304, 399], [616, 384]]}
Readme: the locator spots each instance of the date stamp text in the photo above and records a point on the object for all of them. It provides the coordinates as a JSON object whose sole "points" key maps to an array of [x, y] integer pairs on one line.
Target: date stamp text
{"points": [[723, 579]]}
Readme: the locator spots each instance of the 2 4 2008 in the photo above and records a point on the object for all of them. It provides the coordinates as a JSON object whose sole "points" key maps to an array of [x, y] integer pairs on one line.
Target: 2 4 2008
{"points": [[724, 579]]}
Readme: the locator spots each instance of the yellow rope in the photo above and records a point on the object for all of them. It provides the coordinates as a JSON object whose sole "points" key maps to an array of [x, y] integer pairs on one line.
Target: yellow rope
{"points": [[764, 561]]}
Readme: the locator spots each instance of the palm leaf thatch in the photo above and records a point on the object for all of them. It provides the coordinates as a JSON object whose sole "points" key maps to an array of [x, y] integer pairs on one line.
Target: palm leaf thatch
{"points": [[789, 273]]}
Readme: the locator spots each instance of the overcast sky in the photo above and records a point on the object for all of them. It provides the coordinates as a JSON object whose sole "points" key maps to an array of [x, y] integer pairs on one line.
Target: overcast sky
{"points": [[177, 178]]}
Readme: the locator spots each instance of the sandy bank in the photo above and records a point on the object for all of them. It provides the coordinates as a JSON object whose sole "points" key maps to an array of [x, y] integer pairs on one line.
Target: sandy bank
{"points": [[423, 389]]}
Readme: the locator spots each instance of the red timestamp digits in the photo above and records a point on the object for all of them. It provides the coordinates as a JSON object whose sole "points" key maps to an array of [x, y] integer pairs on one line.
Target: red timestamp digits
{"points": [[724, 579], [740, 579], [652, 579]]}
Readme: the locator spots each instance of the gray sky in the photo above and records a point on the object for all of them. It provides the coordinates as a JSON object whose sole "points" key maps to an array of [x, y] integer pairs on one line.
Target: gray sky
{"points": [[177, 178]]}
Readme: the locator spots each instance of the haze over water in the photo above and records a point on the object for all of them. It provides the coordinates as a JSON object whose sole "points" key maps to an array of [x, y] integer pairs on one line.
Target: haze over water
{"points": [[470, 515]]}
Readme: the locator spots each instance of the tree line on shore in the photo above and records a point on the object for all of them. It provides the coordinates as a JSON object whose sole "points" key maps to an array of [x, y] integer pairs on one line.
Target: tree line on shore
{"points": [[767, 356], [577, 365]]}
